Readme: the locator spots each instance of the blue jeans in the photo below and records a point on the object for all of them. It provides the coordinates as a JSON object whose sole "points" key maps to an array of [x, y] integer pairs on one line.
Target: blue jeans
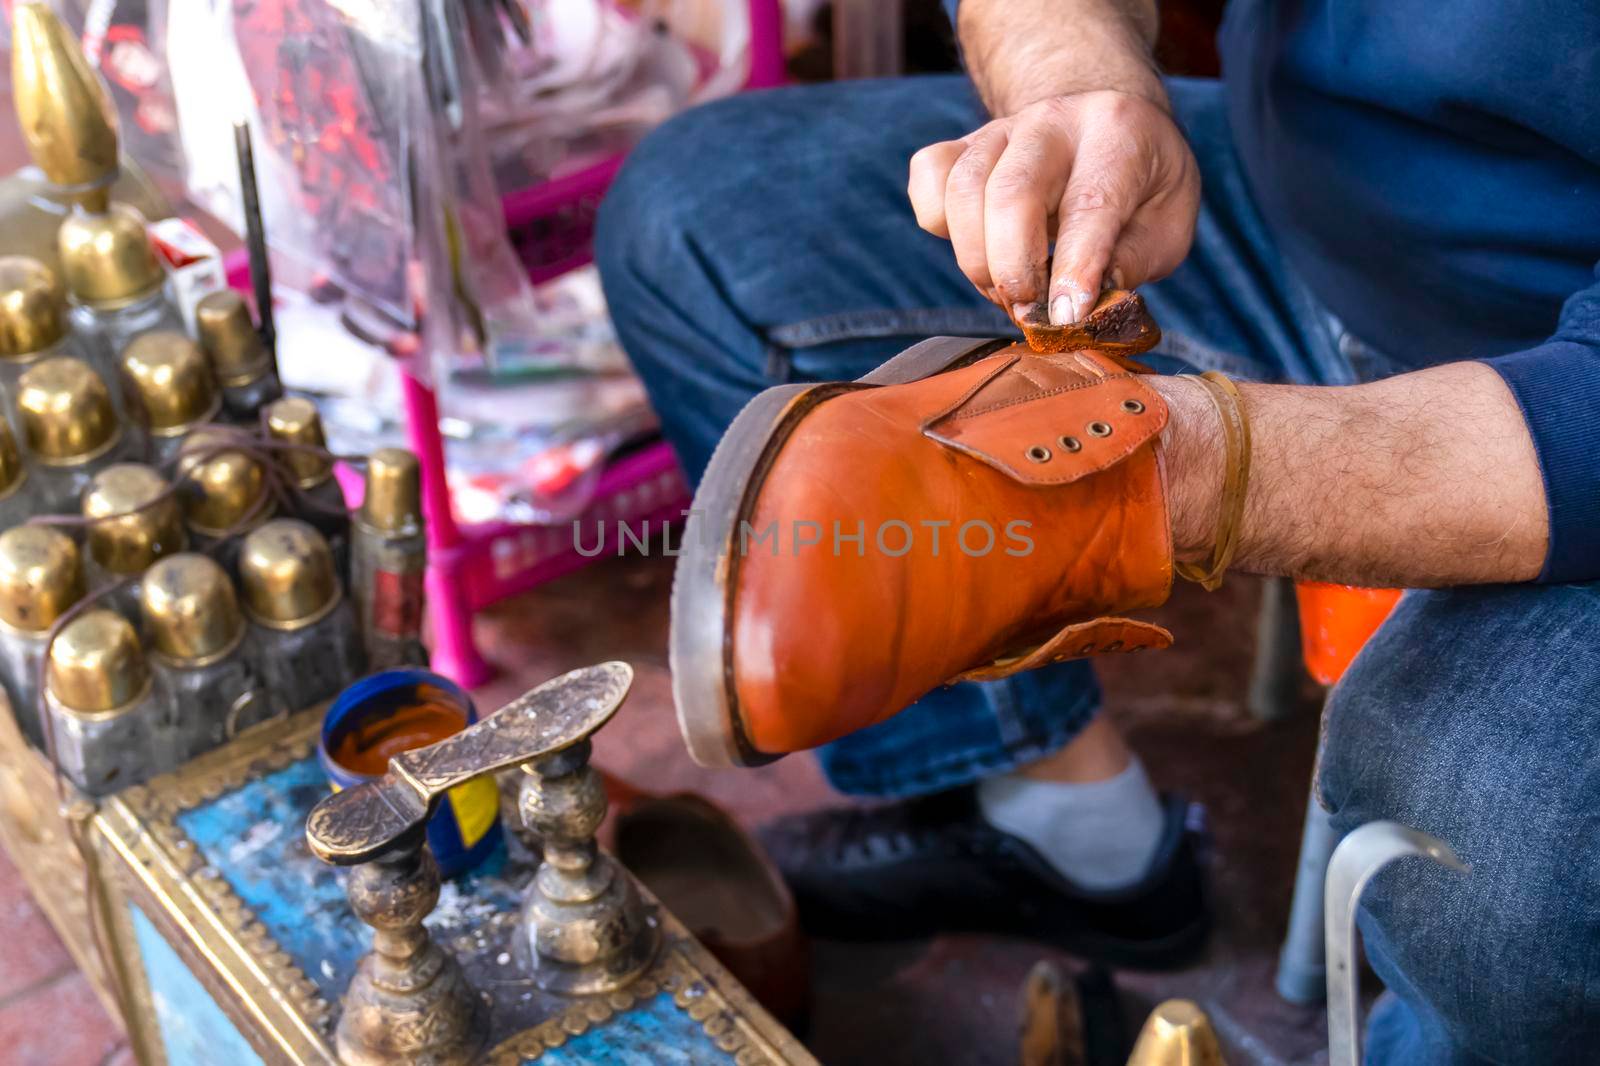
{"points": [[767, 239]]}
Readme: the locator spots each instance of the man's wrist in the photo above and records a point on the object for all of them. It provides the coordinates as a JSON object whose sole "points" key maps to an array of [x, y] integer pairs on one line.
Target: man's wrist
{"points": [[1193, 453]]}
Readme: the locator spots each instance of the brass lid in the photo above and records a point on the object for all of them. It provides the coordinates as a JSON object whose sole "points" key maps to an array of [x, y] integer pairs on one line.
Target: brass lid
{"points": [[190, 610], [96, 663], [65, 114], [131, 532], [393, 501], [295, 421], [40, 577], [229, 337], [12, 472], [219, 489], [66, 411], [106, 258], [32, 307], [287, 573], [1177, 1033], [171, 379]]}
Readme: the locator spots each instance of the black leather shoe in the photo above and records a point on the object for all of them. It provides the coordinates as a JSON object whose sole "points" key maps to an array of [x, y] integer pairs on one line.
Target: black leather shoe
{"points": [[933, 864]]}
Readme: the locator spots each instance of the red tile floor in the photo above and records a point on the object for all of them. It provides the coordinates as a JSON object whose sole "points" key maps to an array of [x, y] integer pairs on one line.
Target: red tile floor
{"points": [[952, 999]]}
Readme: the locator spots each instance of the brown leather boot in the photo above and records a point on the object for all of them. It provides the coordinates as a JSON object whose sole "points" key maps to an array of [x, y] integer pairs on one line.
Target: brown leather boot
{"points": [[968, 510]]}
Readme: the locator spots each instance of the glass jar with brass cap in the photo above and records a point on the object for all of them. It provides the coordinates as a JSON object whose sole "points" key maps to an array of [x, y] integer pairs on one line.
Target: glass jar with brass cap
{"points": [[17, 502], [70, 429], [244, 367], [303, 635], [71, 134], [33, 321], [133, 521], [115, 284], [196, 635], [223, 490], [170, 389], [103, 707], [41, 576], [293, 423], [389, 559]]}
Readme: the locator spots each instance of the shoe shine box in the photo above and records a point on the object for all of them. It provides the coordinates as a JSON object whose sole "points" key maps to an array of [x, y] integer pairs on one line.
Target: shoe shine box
{"points": [[201, 918]]}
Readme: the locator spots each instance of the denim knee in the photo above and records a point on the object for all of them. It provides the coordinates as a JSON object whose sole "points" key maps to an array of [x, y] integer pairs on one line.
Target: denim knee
{"points": [[1469, 716]]}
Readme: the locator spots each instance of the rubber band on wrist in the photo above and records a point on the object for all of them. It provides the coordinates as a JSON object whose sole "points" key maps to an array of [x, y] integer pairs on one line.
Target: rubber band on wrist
{"points": [[1224, 395]]}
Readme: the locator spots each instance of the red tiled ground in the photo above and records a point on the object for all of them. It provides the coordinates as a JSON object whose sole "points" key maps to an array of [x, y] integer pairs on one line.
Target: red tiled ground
{"points": [[49, 1016]]}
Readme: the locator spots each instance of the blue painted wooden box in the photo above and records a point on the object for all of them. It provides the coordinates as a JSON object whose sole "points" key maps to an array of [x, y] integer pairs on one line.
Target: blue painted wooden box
{"points": [[229, 944]]}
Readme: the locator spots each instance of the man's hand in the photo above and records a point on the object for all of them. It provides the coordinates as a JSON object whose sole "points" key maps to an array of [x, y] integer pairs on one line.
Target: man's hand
{"points": [[1106, 175]]}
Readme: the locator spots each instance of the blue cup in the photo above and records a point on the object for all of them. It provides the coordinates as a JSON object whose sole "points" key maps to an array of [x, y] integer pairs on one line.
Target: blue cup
{"points": [[465, 829]]}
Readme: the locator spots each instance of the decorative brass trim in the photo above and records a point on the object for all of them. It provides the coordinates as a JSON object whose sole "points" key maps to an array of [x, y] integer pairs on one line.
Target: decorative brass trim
{"points": [[700, 987]]}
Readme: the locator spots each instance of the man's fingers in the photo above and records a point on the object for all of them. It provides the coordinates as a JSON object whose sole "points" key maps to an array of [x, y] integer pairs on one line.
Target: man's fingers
{"points": [[963, 201], [1100, 197], [1019, 198], [930, 170]]}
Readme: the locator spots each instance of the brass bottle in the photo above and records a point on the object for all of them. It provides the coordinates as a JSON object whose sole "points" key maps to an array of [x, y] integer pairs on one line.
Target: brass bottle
{"points": [[115, 283], [244, 368], [223, 490], [33, 322], [109, 725], [70, 130], [318, 499], [196, 632], [389, 560], [133, 522], [17, 501], [305, 644], [70, 429], [41, 576], [170, 389]]}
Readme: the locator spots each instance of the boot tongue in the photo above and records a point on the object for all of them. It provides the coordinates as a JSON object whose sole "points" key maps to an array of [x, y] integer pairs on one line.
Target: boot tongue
{"points": [[1051, 419]]}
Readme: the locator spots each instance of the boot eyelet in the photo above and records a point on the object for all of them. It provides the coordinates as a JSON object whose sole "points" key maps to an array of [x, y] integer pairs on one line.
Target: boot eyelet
{"points": [[1115, 645], [1071, 444], [1133, 407], [1086, 649], [1039, 453], [1099, 429]]}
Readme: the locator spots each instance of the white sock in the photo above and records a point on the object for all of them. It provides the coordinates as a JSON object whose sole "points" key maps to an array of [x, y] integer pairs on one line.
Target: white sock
{"points": [[1100, 835]]}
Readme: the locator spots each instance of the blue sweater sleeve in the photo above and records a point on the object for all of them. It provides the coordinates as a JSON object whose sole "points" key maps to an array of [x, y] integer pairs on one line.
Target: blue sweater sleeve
{"points": [[1557, 384]]}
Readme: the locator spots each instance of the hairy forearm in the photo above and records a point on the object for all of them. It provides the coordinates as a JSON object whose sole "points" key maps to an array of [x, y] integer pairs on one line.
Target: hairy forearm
{"points": [[1422, 480], [1022, 51]]}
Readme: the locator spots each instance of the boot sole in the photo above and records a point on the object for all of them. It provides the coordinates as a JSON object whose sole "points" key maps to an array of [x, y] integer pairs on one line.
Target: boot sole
{"points": [[700, 645]]}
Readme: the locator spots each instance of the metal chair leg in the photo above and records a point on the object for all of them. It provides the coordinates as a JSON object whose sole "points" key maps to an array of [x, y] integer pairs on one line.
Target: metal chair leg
{"points": [[1302, 964], [1277, 674]]}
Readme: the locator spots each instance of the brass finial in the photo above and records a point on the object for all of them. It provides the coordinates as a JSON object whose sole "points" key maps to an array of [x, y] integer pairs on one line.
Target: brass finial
{"points": [[171, 378], [63, 109], [32, 307], [66, 411], [220, 488], [288, 575], [134, 526], [393, 502], [12, 472], [40, 577], [190, 609], [229, 337], [106, 258], [96, 664], [295, 421], [1177, 1033]]}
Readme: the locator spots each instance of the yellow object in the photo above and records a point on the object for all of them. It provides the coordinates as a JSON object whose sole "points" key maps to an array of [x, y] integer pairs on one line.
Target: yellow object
{"points": [[171, 379], [40, 577], [190, 610], [32, 307], [288, 576], [66, 411], [1177, 1033], [230, 338], [221, 485], [106, 258], [131, 531], [393, 502], [295, 421], [62, 107], [96, 664]]}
